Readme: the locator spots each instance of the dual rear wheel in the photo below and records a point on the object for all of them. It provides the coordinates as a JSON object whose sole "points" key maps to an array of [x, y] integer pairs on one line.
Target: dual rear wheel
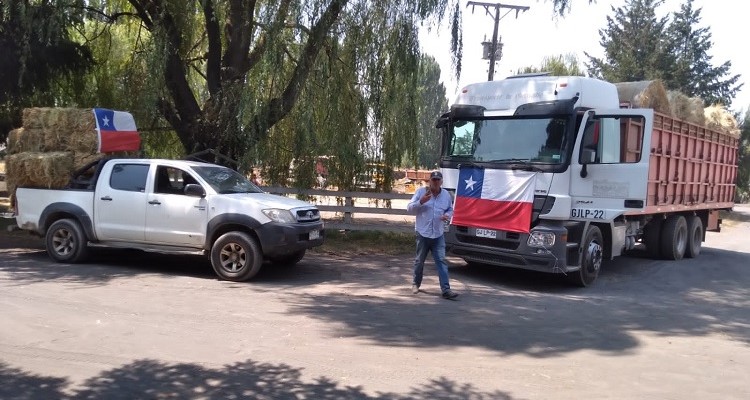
{"points": [[675, 237]]}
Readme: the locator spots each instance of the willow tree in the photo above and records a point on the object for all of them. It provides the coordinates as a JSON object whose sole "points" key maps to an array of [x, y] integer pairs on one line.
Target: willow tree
{"points": [[229, 71]]}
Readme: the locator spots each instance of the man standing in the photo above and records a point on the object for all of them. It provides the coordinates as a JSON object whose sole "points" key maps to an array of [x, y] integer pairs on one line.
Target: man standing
{"points": [[433, 207]]}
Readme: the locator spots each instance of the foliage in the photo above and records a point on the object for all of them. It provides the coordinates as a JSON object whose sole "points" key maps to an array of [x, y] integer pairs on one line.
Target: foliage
{"points": [[635, 44], [693, 73], [37, 50], [560, 65], [743, 171]]}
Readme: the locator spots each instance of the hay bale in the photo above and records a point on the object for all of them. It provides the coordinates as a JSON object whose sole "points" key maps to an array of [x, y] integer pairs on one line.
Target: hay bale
{"points": [[679, 104], [22, 140], [644, 94], [41, 170], [697, 114], [718, 118], [64, 129], [686, 108]]}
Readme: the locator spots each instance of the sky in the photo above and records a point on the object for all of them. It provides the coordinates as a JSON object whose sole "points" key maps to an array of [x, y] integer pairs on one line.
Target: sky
{"points": [[536, 33]]}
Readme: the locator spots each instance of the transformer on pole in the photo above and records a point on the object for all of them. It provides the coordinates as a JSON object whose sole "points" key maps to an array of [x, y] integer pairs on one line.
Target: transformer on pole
{"points": [[493, 50]]}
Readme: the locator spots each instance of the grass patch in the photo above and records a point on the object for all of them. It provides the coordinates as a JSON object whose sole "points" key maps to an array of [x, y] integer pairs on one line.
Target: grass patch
{"points": [[366, 242]]}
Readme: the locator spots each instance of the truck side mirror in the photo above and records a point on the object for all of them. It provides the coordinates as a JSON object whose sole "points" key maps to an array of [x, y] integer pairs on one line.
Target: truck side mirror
{"points": [[588, 156], [194, 189]]}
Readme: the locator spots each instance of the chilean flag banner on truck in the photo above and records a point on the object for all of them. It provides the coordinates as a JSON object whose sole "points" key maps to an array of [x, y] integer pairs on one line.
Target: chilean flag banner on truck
{"points": [[116, 130], [494, 199]]}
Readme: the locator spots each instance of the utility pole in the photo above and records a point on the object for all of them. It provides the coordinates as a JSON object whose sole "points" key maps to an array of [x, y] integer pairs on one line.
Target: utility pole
{"points": [[496, 15]]}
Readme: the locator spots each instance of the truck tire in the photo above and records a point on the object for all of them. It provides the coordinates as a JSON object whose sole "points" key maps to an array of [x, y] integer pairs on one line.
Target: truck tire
{"points": [[591, 258], [236, 256], [289, 259], [652, 237], [66, 242], [674, 237], [694, 236]]}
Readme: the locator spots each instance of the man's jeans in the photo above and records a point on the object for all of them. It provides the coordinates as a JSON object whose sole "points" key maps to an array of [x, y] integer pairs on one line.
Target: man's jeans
{"points": [[437, 247]]}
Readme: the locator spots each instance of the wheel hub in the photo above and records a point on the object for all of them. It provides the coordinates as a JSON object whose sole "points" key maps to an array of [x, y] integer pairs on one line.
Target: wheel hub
{"points": [[594, 256]]}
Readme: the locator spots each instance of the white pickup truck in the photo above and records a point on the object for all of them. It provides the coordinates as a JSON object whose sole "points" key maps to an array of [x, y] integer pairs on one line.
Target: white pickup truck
{"points": [[174, 207]]}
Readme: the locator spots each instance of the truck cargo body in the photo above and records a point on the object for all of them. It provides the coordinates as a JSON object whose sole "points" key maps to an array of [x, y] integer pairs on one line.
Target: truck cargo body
{"points": [[604, 178]]}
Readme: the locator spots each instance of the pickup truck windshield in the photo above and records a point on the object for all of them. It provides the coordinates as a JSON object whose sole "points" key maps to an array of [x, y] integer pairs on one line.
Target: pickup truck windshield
{"points": [[226, 181], [535, 140]]}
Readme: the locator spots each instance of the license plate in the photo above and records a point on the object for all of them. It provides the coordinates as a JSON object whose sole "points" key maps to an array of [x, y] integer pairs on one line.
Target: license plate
{"points": [[314, 235], [486, 233]]}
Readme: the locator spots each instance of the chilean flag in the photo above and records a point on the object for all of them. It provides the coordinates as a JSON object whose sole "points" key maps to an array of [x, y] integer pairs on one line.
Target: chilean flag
{"points": [[116, 130], [494, 199]]}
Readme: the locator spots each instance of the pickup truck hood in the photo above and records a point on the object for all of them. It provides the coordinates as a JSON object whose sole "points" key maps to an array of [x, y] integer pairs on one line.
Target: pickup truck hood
{"points": [[267, 200]]}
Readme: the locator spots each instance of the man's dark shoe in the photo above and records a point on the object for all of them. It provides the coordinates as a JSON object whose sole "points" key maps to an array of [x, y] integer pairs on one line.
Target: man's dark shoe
{"points": [[449, 294]]}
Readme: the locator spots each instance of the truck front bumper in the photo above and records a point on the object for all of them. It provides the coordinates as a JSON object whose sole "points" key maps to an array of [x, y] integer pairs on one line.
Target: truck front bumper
{"points": [[510, 249], [279, 239]]}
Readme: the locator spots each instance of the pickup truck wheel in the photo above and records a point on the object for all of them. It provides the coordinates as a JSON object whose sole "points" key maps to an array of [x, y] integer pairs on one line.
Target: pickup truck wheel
{"points": [[66, 242], [695, 237], [591, 258], [236, 256], [289, 259], [674, 237]]}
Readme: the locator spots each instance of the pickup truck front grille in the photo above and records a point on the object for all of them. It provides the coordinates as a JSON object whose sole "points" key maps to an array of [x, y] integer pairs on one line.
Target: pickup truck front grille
{"points": [[308, 215]]}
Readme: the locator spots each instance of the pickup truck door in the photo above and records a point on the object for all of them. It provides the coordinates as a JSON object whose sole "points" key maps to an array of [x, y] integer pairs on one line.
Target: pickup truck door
{"points": [[173, 218], [615, 178], [120, 202]]}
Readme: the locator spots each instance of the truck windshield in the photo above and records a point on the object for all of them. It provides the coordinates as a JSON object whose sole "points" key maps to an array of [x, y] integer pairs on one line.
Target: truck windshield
{"points": [[535, 140], [225, 180]]}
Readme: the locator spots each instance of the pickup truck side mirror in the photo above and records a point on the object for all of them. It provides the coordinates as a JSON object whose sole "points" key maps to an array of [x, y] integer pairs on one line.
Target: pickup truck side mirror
{"points": [[194, 189]]}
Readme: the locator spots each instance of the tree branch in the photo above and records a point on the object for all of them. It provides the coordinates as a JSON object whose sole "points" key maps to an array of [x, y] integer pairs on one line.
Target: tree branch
{"points": [[213, 67]]}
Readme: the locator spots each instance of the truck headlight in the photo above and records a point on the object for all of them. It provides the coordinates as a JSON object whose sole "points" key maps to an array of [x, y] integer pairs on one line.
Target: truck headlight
{"points": [[279, 215], [541, 239]]}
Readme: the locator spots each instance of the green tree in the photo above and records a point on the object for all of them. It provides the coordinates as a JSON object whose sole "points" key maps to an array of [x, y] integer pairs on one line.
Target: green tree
{"points": [[560, 65], [37, 51], [743, 171], [431, 103], [693, 72], [635, 45]]}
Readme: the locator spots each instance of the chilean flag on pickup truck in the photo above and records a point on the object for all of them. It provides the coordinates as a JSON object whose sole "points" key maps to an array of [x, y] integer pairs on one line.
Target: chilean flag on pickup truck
{"points": [[116, 130]]}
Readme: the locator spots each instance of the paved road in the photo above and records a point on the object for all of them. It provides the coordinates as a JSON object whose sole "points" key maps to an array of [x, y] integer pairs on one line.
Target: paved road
{"points": [[132, 325]]}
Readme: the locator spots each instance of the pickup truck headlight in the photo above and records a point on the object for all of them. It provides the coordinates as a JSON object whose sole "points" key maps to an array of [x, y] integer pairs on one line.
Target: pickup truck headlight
{"points": [[279, 215], [541, 239]]}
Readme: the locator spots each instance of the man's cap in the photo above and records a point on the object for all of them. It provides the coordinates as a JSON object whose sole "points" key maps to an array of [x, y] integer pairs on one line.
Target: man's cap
{"points": [[436, 175]]}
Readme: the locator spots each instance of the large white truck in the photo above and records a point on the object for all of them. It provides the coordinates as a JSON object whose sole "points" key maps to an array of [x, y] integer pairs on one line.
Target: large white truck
{"points": [[171, 207], [605, 177]]}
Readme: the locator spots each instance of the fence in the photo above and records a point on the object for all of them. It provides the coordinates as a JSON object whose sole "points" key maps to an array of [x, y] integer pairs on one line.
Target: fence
{"points": [[353, 214]]}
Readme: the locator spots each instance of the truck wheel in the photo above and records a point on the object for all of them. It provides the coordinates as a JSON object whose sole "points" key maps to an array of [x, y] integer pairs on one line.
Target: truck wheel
{"points": [[591, 258], [66, 242], [695, 236], [652, 238], [236, 256], [289, 259], [674, 237]]}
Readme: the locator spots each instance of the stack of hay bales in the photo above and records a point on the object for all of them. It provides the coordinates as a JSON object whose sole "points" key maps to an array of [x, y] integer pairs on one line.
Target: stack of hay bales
{"points": [[51, 144], [651, 94]]}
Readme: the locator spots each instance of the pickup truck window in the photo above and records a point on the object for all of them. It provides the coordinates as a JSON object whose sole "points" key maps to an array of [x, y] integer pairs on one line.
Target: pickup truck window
{"points": [[170, 180], [129, 177], [226, 181]]}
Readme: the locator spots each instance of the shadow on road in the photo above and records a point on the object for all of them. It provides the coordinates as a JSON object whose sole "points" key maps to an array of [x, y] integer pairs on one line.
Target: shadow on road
{"points": [[248, 380]]}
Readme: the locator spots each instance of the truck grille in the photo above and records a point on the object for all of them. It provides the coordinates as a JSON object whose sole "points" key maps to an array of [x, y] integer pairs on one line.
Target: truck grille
{"points": [[308, 215]]}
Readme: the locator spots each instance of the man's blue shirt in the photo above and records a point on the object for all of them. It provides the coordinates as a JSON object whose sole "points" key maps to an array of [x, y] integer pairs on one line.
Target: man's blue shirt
{"points": [[429, 223]]}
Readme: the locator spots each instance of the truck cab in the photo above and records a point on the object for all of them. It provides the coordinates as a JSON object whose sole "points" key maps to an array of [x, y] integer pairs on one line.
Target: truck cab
{"points": [[582, 153]]}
